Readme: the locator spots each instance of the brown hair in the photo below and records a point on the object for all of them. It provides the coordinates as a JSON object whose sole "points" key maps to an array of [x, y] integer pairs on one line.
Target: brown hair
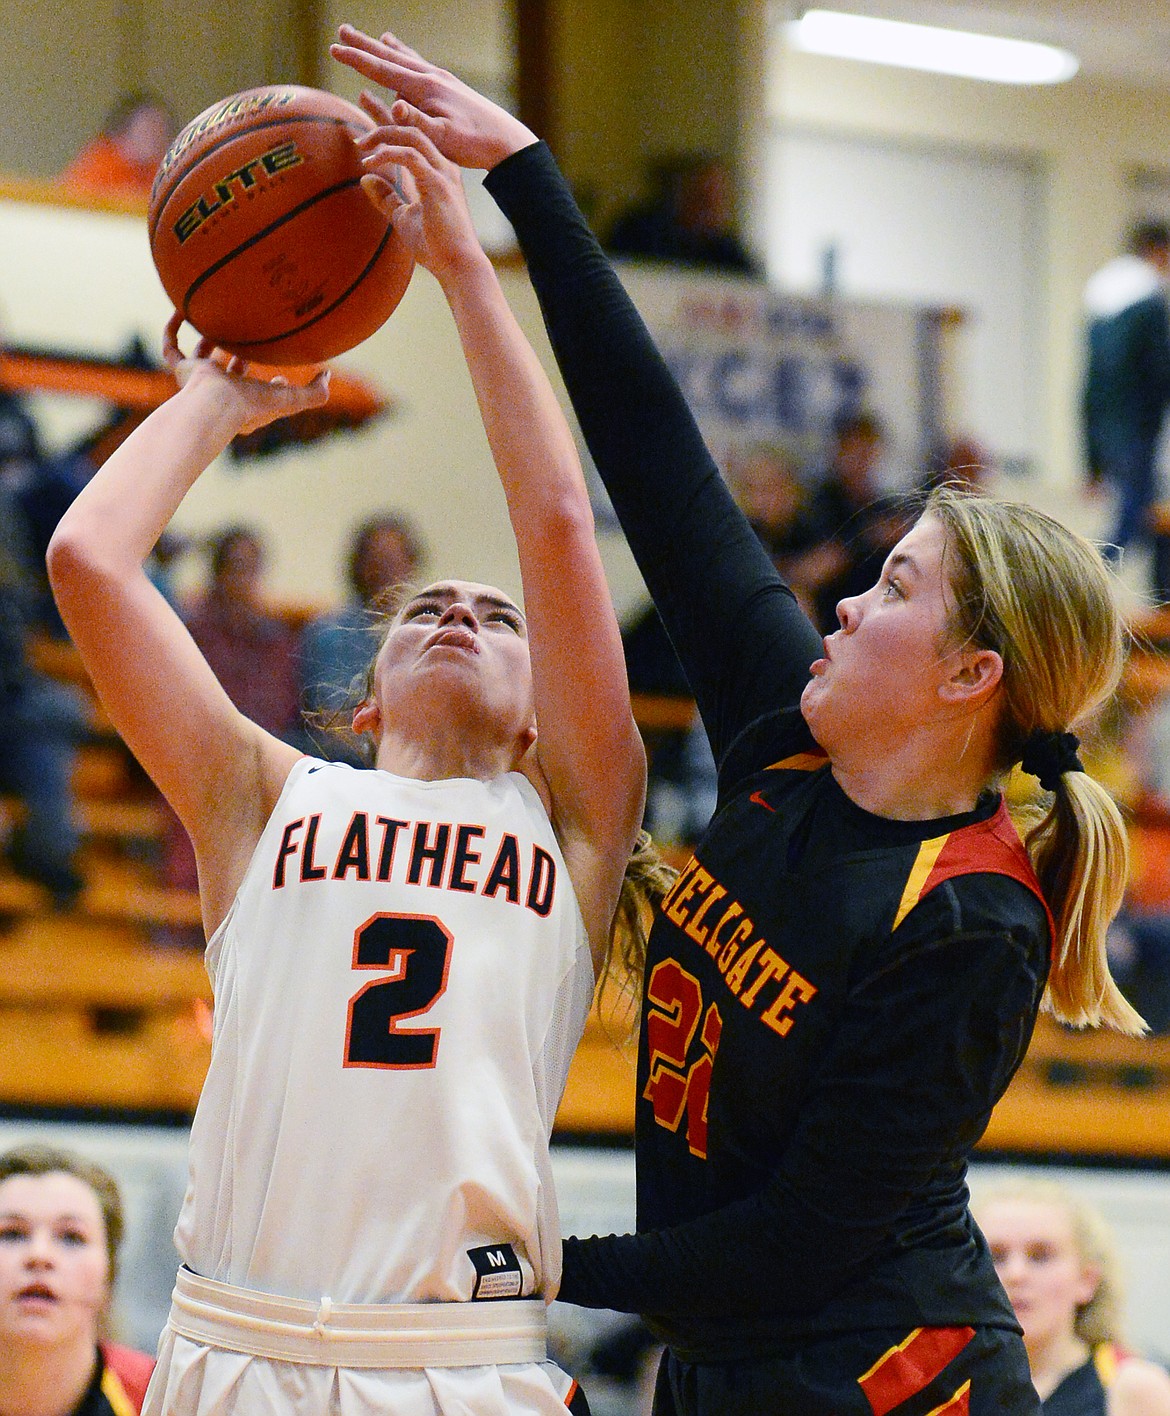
{"points": [[1043, 599]]}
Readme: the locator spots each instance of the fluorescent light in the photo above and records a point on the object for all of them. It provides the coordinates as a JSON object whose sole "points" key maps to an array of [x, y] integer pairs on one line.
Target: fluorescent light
{"points": [[943, 51]]}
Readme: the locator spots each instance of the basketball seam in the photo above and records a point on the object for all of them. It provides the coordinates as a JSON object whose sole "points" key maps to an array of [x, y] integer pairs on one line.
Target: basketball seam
{"points": [[229, 256], [298, 329], [278, 121]]}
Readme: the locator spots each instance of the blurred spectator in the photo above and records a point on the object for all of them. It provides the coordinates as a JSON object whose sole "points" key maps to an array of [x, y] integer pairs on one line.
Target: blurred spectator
{"points": [[253, 653], [61, 1226], [40, 723], [1127, 388], [45, 485], [688, 221], [336, 649], [854, 524], [683, 783], [768, 487], [21, 461], [251, 650], [124, 157], [960, 462], [681, 789], [1135, 762], [1056, 1258]]}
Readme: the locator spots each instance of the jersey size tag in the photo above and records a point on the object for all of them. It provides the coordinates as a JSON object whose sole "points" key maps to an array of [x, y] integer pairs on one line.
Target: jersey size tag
{"points": [[497, 1272]]}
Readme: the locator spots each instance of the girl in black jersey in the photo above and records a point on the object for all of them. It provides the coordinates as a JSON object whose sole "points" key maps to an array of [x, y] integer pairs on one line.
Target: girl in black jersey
{"points": [[845, 976], [1058, 1264]]}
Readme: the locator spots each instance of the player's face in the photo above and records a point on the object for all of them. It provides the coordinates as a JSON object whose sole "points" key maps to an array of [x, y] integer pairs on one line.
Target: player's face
{"points": [[883, 668], [54, 1268], [1036, 1257], [459, 646]]}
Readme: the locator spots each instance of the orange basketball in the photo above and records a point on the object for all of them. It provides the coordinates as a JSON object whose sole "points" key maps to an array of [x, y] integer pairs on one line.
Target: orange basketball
{"points": [[261, 234]]}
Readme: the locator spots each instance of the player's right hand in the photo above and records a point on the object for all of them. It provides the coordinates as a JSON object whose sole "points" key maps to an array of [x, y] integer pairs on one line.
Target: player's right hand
{"points": [[466, 127]]}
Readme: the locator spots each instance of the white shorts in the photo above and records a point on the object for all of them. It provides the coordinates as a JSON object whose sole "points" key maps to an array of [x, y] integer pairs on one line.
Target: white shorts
{"points": [[216, 1358]]}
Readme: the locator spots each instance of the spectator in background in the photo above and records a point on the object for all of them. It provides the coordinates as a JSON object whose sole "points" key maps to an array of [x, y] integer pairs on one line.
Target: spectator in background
{"points": [[962, 462], [253, 654], [689, 220], [1127, 388], [1056, 1258], [60, 1230], [124, 156], [854, 523], [683, 781], [766, 483], [40, 722], [386, 552], [252, 651]]}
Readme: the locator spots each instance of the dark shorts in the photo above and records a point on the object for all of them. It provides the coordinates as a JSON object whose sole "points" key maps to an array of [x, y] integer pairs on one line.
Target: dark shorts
{"points": [[929, 1372]]}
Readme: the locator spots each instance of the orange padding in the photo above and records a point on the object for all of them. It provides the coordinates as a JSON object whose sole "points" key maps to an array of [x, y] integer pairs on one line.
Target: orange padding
{"points": [[144, 389]]}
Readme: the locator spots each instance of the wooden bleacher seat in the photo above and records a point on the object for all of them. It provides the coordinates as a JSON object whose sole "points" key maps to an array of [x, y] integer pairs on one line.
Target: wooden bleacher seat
{"points": [[94, 1014]]}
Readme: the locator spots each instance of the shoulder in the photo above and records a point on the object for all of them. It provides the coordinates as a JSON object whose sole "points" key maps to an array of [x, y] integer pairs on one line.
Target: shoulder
{"points": [[981, 902], [981, 876], [132, 1369], [779, 742], [1140, 1388]]}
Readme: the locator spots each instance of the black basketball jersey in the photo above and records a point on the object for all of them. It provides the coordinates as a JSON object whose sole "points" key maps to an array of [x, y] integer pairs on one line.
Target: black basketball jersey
{"points": [[834, 1001]]}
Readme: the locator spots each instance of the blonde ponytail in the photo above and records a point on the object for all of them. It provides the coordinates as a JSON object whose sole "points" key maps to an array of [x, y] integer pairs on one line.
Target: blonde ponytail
{"points": [[1080, 852], [1043, 599]]}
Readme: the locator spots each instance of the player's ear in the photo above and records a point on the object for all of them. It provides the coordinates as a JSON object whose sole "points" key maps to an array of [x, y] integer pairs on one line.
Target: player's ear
{"points": [[367, 717], [977, 674]]}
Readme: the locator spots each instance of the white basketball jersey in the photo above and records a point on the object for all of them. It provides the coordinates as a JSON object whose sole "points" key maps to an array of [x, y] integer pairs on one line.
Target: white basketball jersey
{"points": [[400, 985]]}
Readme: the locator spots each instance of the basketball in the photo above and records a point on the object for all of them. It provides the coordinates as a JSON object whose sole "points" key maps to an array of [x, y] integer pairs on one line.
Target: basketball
{"points": [[261, 234]]}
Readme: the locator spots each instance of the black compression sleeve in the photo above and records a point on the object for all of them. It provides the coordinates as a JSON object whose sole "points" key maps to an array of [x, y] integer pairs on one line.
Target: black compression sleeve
{"points": [[742, 640]]}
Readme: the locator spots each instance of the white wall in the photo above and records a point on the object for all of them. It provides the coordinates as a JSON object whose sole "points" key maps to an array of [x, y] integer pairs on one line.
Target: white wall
{"points": [[1086, 138], [82, 280], [926, 225]]}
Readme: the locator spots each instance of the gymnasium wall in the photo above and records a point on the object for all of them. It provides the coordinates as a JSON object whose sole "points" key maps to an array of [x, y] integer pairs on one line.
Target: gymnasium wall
{"points": [[82, 281], [1092, 139], [625, 80]]}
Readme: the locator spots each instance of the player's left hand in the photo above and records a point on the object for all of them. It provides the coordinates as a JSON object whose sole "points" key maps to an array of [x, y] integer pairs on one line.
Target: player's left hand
{"points": [[409, 179], [255, 402]]}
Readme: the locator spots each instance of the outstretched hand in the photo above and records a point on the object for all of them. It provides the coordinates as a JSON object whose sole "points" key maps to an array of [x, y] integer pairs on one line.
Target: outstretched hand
{"points": [[419, 190], [257, 402], [467, 128]]}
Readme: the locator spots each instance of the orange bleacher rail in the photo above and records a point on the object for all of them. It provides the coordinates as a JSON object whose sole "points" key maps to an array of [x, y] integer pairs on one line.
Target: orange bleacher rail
{"points": [[352, 401]]}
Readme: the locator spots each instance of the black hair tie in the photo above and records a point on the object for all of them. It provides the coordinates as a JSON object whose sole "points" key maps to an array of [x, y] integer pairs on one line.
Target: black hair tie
{"points": [[1049, 755]]}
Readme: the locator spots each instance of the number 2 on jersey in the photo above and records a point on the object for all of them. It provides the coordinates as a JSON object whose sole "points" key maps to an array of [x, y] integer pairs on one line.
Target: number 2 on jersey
{"points": [[413, 952]]}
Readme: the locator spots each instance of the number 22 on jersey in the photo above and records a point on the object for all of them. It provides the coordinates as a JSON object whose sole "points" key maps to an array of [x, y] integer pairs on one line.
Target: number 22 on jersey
{"points": [[676, 1006]]}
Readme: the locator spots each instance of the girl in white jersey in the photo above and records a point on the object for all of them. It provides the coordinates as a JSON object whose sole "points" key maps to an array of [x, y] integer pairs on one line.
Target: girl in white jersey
{"points": [[402, 958]]}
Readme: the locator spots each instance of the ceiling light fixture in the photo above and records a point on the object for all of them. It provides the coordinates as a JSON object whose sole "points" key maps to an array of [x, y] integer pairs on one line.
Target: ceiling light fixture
{"points": [[943, 51]]}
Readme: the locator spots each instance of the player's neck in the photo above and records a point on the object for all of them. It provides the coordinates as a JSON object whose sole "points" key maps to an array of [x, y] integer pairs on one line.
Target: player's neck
{"points": [[1050, 1362], [445, 756]]}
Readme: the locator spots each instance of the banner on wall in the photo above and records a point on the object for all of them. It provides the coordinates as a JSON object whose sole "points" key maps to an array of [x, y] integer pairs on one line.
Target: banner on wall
{"points": [[759, 365]]}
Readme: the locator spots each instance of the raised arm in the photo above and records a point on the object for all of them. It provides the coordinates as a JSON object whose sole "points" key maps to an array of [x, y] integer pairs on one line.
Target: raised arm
{"points": [[590, 764], [219, 771], [743, 642]]}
